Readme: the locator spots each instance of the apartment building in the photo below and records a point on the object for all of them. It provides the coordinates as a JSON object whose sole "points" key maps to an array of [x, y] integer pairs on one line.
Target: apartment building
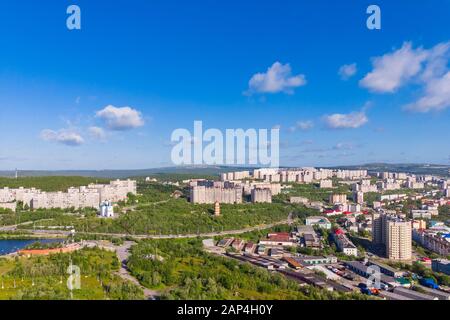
{"points": [[421, 214], [394, 233], [326, 184], [260, 195], [441, 265], [300, 200], [83, 197], [432, 241], [231, 192], [411, 183], [8, 205], [213, 194], [275, 188], [418, 224], [398, 240], [115, 191], [344, 244], [338, 198], [389, 184], [364, 186], [358, 197], [350, 174], [238, 175]]}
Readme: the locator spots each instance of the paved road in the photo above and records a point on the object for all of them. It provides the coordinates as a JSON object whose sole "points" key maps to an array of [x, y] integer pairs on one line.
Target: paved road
{"points": [[289, 221], [123, 253], [14, 227]]}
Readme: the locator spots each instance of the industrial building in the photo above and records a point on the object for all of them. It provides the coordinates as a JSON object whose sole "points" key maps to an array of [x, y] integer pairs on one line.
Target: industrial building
{"points": [[319, 221], [387, 270], [415, 295], [363, 270]]}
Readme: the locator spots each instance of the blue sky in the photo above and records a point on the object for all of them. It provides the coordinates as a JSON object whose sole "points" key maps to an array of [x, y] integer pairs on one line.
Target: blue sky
{"points": [[63, 93]]}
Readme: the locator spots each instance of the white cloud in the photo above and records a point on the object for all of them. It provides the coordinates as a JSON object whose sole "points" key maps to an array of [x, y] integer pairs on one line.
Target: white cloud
{"points": [[437, 61], [425, 67], [124, 118], [347, 71], [63, 136], [346, 121], [302, 126], [277, 78], [436, 97], [393, 70], [305, 125], [345, 147], [97, 133]]}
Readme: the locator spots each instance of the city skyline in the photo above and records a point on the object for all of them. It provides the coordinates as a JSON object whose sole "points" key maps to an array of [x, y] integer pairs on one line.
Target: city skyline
{"points": [[109, 96]]}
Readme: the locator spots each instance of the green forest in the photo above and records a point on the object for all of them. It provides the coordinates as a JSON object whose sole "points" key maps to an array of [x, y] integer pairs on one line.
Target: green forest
{"points": [[53, 183], [175, 216], [155, 211], [44, 277], [312, 192], [180, 269]]}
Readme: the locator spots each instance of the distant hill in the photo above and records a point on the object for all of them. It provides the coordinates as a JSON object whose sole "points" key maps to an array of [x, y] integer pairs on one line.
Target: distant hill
{"points": [[415, 168], [50, 183], [120, 174], [432, 169]]}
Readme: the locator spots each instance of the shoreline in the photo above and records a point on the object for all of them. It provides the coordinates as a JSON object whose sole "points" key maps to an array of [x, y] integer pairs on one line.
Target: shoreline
{"points": [[20, 238]]}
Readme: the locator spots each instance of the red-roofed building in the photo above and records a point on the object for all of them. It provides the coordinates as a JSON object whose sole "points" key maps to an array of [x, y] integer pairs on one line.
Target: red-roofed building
{"points": [[278, 234], [238, 244], [332, 212], [278, 239], [250, 247]]}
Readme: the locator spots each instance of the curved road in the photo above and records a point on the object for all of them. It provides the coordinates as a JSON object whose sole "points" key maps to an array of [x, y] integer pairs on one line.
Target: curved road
{"points": [[123, 253], [289, 221]]}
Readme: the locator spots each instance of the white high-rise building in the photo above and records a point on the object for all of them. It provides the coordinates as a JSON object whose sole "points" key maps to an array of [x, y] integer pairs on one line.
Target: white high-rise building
{"points": [[82, 197], [261, 195], [395, 234]]}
